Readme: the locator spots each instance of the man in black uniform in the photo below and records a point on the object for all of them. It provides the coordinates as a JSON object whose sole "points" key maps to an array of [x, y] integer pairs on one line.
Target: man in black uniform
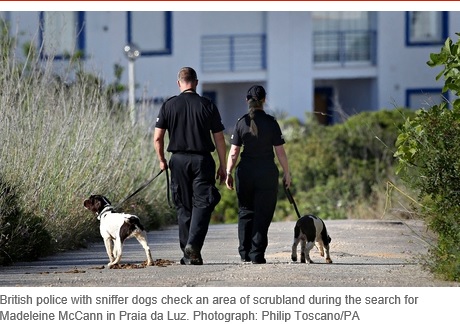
{"points": [[190, 120]]}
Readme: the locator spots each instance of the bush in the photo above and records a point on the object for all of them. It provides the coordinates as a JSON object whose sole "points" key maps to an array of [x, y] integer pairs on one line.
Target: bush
{"points": [[338, 171], [337, 168], [428, 149], [22, 236]]}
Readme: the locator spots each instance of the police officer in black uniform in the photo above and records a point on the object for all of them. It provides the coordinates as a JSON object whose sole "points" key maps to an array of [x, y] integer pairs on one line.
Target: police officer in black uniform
{"points": [[190, 120], [256, 174]]}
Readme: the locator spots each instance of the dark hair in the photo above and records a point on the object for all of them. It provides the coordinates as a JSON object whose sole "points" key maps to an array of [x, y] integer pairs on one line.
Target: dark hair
{"points": [[256, 92], [187, 74], [255, 97]]}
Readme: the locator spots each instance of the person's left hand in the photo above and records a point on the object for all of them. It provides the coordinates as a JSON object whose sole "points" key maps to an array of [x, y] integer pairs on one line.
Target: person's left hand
{"points": [[229, 181]]}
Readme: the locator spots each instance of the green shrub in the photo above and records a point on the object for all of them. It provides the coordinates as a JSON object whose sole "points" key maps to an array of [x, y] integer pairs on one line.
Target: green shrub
{"points": [[22, 236], [337, 170], [428, 149]]}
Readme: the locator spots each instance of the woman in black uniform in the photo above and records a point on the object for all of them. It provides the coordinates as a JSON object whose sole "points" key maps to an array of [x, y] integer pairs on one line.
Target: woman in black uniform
{"points": [[256, 174]]}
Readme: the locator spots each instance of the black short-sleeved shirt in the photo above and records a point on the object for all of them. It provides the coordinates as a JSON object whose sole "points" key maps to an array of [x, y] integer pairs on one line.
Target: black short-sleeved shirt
{"points": [[189, 120], [261, 146]]}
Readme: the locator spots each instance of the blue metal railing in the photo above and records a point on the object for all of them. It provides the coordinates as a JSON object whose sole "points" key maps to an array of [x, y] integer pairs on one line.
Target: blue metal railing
{"points": [[345, 46], [231, 53]]}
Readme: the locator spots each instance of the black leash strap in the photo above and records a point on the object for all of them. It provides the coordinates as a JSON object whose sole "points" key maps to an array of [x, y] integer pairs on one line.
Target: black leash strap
{"points": [[291, 200], [167, 188], [145, 185]]}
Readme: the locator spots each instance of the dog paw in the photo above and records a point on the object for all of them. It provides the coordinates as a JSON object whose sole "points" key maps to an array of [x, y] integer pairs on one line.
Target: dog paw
{"points": [[328, 260], [294, 259], [111, 265]]}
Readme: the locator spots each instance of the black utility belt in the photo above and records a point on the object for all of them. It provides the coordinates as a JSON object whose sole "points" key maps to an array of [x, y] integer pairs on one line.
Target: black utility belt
{"points": [[192, 153]]}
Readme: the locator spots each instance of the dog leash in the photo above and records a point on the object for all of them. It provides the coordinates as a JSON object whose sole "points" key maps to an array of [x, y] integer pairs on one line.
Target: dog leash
{"points": [[145, 185], [291, 200]]}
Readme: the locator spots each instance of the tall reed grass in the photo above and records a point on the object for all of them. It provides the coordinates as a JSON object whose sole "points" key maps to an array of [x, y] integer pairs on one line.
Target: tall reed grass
{"points": [[60, 142]]}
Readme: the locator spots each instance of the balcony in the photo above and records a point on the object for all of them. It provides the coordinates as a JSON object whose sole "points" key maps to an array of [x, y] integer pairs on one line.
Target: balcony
{"points": [[233, 53], [345, 47]]}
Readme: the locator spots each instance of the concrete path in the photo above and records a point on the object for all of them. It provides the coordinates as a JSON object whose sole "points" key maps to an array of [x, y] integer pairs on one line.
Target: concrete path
{"points": [[365, 253]]}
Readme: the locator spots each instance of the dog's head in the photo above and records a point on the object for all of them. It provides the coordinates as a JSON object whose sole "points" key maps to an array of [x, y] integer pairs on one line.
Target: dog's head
{"points": [[96, 203]]}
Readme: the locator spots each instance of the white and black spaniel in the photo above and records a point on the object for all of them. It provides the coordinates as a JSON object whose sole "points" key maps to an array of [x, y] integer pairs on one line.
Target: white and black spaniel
{"points": [[115, 228]]}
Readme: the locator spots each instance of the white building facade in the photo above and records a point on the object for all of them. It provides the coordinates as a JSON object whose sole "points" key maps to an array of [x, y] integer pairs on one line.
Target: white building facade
{"points": [[326, 63]]}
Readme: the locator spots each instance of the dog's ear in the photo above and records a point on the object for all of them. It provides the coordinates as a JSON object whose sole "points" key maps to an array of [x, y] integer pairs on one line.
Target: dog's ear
{"points": [[87, 203], [97, 205], [93, 204]]}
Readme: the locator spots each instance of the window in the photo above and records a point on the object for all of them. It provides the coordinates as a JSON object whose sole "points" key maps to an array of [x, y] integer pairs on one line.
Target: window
{"points": [[424, 98], [225, 53], [426, 27], [62, 33], [150, 31], [343, 36]]}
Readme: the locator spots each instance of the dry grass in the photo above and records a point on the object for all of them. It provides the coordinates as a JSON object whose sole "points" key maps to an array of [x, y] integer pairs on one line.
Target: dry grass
{"points": [[62, 141]]}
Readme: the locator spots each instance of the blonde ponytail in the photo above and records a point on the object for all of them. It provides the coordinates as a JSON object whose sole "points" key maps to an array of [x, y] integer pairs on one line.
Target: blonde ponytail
{"points": [[255, 98], [252, 126]]}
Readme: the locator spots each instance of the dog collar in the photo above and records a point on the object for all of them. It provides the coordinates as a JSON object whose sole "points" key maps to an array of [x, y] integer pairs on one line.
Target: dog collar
{"points": [[105, 210]]}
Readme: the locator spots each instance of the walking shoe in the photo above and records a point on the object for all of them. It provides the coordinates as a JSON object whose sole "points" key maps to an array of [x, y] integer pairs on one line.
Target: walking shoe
{"points": [[191, 256], [246, 259], [259, 261], [187, 261]]}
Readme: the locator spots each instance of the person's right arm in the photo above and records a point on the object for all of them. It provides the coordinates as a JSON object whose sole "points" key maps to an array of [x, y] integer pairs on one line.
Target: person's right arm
{"points": [[158, 143], [231, 162]]}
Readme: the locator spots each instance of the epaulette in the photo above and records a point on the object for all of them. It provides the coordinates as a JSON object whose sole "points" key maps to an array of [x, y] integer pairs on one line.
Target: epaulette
{"points": [[273, 117], [170, 98], [207, 100], [242, 117]]}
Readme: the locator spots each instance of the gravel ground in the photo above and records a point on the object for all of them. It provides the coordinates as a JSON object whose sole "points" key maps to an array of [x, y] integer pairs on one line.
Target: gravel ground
{"points": [[365, 253]]}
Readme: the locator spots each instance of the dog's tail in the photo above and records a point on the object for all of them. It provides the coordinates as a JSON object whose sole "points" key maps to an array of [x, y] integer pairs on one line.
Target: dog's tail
{"points": [[324, 235]]}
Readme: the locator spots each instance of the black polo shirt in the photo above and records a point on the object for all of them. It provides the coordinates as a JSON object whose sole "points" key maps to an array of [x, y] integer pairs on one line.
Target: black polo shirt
{"points": [[261, 146], [189, 120]]}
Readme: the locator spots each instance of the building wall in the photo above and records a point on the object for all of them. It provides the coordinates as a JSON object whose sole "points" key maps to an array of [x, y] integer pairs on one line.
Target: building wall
{"points": [[290, 77], [399, 66], [402, 67]]}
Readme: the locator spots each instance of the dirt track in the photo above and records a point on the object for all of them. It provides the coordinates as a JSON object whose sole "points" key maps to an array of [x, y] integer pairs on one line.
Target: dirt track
{"points": [[371, 253]]}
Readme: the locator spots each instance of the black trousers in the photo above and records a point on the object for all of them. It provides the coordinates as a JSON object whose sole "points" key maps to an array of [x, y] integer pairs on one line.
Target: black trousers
{"points": [[194, 194], [257, 189]]}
